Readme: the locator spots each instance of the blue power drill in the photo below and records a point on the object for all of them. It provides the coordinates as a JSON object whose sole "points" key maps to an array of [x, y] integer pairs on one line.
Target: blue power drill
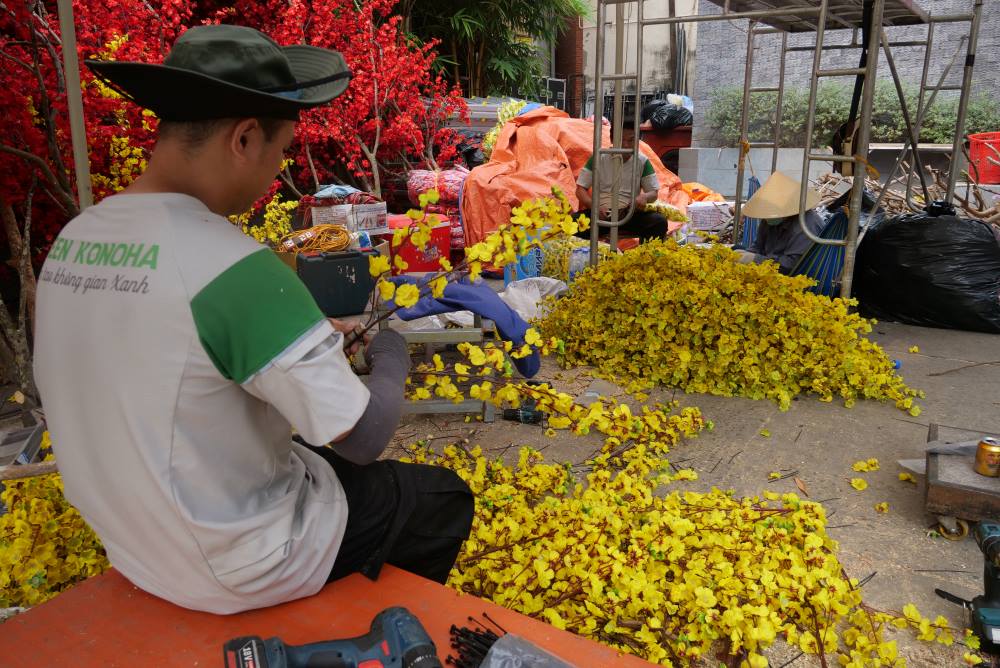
{"points": [[397, 639], [984, 610]]}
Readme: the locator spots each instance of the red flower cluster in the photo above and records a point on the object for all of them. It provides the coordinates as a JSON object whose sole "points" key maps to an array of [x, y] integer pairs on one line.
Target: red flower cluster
{"points": [[395, 106]]}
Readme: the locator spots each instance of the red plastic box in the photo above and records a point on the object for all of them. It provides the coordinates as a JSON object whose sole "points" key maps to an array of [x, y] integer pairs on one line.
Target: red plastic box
{"points": [[421, 260]]}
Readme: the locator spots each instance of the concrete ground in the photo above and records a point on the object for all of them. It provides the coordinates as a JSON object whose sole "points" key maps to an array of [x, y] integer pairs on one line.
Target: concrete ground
{"points": [[959, 371]]}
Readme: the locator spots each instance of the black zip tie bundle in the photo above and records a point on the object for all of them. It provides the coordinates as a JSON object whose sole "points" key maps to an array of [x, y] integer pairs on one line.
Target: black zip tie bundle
{"points": [[473, 644]]}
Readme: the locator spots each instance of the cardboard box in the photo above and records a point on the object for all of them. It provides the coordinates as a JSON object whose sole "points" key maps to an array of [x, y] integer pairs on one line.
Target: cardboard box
{"points": [[338, 214], [370, 218], [287, 258], [709, 216]]}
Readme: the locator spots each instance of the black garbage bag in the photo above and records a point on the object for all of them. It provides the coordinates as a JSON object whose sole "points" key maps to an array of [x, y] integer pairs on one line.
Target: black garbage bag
{"points": [[472, 155], [932, 271], [666, 116]]}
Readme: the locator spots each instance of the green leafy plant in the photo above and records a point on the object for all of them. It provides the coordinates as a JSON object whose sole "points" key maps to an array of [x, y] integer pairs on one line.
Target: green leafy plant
{"points": [[833, 103], [490, 47]]}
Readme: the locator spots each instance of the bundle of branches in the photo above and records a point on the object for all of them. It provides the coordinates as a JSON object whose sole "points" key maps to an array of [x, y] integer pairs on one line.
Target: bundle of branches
{"points": [[970, 200]]}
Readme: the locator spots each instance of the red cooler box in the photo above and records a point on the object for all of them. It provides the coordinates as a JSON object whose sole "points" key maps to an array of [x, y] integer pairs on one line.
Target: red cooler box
{"points": [[421, 260]]}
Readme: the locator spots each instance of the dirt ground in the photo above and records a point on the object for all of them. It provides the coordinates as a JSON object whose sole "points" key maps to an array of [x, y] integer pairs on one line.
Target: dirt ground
{"points": [[959, 371]]}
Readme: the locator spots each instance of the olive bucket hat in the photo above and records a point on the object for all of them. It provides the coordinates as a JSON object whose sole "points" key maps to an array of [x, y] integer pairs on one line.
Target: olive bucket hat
{"points": [[226, 71]]}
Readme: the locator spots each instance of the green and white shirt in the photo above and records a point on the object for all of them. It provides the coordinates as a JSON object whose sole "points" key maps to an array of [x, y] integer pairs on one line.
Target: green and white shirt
{"points": [[647, 180], [174, 355]]}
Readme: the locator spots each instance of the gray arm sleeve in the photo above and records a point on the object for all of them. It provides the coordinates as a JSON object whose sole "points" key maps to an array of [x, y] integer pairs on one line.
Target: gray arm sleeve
{"points": [[797, 243], [757, 245], [390, 362]]}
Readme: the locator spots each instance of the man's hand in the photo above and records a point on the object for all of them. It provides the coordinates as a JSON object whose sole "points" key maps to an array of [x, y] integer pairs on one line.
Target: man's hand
{"points": [[346, 327]]}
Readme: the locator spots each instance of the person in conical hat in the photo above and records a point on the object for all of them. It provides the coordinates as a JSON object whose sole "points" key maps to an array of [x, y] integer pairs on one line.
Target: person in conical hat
{"points": [[780, 239], [175, 355]]}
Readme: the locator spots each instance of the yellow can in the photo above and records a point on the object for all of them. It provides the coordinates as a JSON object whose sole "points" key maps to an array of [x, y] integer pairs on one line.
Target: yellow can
{"points": [[988, 458]]}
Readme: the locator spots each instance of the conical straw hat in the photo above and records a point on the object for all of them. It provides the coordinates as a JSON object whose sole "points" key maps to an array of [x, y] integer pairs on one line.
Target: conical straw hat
{"points": [[778, 198]]}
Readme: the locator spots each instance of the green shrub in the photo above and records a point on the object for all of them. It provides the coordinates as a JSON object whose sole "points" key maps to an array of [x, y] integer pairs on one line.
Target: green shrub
{"points": [[833, 104]]}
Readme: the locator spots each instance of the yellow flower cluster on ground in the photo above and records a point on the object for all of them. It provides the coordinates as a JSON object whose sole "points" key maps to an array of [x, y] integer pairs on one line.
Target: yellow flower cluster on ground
{"points": [[674, 578], [697, 319], [45, 546], [866, 465]]}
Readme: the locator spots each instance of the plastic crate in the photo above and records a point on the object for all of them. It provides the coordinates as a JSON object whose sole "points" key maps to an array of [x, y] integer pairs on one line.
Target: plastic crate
{"points": [[983, 147]]}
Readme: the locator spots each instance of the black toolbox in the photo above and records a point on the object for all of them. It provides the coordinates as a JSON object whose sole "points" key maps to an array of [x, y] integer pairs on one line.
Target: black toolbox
{"points": [[339, 282]]}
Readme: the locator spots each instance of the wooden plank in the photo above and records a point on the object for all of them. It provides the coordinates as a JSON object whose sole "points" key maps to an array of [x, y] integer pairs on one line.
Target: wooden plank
{"points": [[106, 622], [15, 471]]}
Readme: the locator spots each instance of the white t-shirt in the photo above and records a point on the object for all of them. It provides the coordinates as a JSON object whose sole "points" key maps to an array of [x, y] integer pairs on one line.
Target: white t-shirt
{"points": [[173, 355], [613, 167]]}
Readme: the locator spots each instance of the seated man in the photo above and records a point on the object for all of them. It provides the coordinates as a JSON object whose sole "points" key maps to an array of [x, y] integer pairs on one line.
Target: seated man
{"points": [[172, 382], [644, 224], [780, 239]]}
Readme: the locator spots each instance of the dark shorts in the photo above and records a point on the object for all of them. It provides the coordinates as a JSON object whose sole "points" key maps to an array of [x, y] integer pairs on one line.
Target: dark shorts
{"points": [[413, 516], [647, 225]]}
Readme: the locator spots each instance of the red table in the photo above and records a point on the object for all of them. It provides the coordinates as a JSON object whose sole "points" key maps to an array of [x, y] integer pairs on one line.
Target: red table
{"points": [[106, 621]]}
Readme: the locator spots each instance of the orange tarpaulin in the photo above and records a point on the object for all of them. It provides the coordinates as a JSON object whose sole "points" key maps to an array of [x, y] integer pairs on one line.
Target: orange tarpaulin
{"points": [[534, 152], [701, 193]]}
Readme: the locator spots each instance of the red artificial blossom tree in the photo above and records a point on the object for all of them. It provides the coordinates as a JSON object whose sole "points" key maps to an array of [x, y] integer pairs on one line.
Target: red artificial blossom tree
{"points": [[393, 113], [395, 107]]}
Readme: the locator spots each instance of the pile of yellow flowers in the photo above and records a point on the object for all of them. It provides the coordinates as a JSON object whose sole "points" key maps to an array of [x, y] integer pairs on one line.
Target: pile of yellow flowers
{"points": [[675, 577], [669, 211], [698, 320], [45, 546]]}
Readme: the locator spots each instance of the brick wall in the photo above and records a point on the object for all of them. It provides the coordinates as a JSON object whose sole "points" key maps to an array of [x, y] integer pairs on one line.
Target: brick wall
{"points": [[721, 56], [569, 65]]}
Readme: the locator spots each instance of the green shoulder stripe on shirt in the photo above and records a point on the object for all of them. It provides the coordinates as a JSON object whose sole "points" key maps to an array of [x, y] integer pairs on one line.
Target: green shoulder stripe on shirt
{"points": [[252, 312]]}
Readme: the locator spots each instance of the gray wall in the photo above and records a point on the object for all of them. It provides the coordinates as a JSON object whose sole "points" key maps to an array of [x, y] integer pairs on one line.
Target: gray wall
{"points": [[721, 54], [656, 42]]}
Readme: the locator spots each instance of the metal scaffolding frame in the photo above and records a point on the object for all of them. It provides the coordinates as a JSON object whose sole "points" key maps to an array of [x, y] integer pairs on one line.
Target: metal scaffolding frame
{"points": [[818, 17]]}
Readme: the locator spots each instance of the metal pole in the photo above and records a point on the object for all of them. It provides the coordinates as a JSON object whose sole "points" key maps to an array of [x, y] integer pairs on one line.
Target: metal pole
{"points": [[910, 128], [920, 105], [744, 132], [864, 136], [757, 14], [920, 120], [963, 103], [74, 103], [780, 101], [595, 204], [811, 125], [619, 121]]}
